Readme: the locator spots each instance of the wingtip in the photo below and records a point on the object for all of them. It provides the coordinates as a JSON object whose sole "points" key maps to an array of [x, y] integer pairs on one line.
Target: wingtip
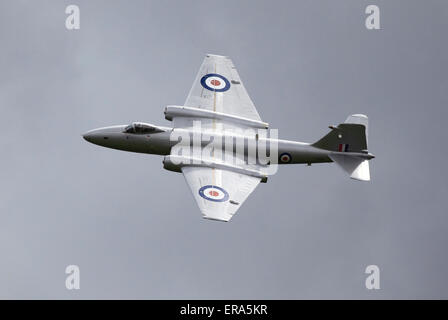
{"points": [[209, 55], [359, 115], [216, 219]]}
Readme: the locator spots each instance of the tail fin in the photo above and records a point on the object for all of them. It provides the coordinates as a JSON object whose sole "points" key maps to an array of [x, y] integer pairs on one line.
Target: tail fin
{"points": [[348, 143], [350, 136]]}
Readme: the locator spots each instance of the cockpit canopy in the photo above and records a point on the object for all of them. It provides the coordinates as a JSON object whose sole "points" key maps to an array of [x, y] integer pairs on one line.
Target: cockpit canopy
{"points": [[141, 128]]}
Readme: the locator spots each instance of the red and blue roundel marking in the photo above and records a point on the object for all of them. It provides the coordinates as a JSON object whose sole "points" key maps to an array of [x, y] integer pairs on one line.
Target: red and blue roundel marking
{"points": [[215, 82], [214, 193], [285, 158]]}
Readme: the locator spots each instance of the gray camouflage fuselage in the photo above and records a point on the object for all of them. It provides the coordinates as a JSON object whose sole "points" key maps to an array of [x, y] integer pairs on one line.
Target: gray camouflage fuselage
{"points": [[160, 143]]}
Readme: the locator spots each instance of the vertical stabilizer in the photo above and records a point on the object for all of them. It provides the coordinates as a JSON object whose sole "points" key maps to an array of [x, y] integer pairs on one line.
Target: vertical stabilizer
{"points": [[347, 140]]}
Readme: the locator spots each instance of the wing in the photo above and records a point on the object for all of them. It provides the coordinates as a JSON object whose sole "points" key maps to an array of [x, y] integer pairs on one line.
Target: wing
{"points": [[219, 193], [219, 101], [218, 88]]}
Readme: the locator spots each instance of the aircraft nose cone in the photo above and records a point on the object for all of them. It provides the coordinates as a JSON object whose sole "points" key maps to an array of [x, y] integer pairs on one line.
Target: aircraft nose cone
{"points": [[105, 137], [93, 136], [88, 136]]}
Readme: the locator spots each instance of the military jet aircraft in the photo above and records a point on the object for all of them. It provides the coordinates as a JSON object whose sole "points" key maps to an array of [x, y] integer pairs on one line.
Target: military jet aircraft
{"points": [[222, 181]]}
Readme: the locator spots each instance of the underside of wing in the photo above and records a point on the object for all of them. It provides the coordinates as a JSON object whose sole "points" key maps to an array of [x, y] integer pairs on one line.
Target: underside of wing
{"points": [[218, 88], [219, 193]]}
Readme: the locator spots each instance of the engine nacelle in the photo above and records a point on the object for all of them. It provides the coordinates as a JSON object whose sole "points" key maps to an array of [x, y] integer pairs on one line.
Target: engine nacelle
{"points": [[180, 162], [172, 112], [170, 166]]}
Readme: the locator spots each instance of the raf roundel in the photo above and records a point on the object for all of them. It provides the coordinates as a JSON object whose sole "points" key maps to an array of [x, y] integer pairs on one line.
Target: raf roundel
{"points": [[285, 157], [214, 193], [215, 82]]}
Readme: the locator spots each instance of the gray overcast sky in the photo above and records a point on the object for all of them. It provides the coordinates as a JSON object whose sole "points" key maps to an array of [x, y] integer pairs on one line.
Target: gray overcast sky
{"points": [[134, 228]]}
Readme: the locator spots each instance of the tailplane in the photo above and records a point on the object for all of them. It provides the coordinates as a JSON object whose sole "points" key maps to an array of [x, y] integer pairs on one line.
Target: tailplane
{"points": [[356, 167], [348, 145]]}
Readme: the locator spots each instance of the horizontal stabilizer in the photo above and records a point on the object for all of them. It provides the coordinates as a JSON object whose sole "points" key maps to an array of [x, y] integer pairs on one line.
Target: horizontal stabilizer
{"points": [[356, 167]]}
